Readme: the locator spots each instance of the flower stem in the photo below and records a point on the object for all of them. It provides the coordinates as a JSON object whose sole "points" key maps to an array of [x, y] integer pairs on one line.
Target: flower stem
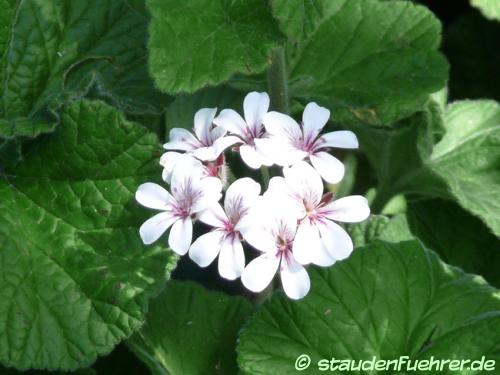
{"points": [[264, 171], [380, 201], [277, 80]]}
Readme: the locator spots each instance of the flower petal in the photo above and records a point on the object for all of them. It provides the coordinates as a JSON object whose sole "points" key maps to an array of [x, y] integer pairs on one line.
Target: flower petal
{"points": [[305, 182], [314, 119], [209, 189], [260, 238], [273, 150], [181, 235], [205, 249], [214, 216], [340, 139], [260, 272], [186, 171], [335, 240], [222, 143], [181, 139], [231, 121], [153, 228], [231, 258], [281, 197], [255, 106], [168, 161], [351, 209], [217, 132], [208, 153], [294, 278], [330, 168], [203, 119], [282, 126], [251, 156], [153, 196], [306, 242], [240, 196]]}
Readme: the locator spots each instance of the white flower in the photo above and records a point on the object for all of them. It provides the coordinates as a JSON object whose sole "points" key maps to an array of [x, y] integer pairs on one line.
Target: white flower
{"points": [[297, 143], [215, 168], [225, 239], [207, 143], [249, 131], [318, 240], [191, 193], [274, 237]]}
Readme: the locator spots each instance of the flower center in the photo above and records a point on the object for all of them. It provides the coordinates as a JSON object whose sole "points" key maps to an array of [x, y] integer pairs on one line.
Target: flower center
{"points": [[185, 198], [283, 244], [228, 227]]}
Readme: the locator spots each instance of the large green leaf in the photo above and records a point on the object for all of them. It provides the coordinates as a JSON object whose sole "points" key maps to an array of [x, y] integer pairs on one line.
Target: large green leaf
{"points": [[299, 19], [57, 49], [8, 8], [468, 158], [400, 155], [393, 229], [460, 239], [489, 8], [204, 42], [366, 59], [74, 276], [386, 300], [451, 155], [190, 330]]}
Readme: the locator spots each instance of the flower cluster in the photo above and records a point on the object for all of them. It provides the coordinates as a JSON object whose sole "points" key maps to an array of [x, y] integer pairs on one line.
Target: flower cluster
{"points": [[292, 224]]}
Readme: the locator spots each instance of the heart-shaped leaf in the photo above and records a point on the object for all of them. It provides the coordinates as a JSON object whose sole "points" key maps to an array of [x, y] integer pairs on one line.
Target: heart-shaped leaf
{"points": [[75, 276]]}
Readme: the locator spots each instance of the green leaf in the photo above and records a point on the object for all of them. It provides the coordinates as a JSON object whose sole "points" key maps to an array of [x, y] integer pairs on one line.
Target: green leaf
{"points": [[393, 229], [190, 330], [400, 155], [205, 42], [75, 276], [370, 60], [460, 239], [468, 158], [59, 50], [299, 19], [8, 8], [476, 339], [489, 8], [386, 300]]}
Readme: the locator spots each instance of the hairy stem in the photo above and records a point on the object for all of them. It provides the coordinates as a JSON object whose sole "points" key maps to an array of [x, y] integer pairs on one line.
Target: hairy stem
{"points": [[277, 81], [264, 171], [381, 199]]}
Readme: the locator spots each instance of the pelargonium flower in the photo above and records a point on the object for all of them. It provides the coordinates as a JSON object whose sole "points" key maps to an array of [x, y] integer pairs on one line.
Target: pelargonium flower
{"points": [[207, 142], [249, 131], [319, 239], [294, 143], [215, 168], [191, 193], [228, 222], [274, 238]]}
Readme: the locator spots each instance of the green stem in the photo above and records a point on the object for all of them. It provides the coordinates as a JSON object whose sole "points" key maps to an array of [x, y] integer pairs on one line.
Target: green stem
{"points": [[264, 171], [381, 199], [277, 80]]}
